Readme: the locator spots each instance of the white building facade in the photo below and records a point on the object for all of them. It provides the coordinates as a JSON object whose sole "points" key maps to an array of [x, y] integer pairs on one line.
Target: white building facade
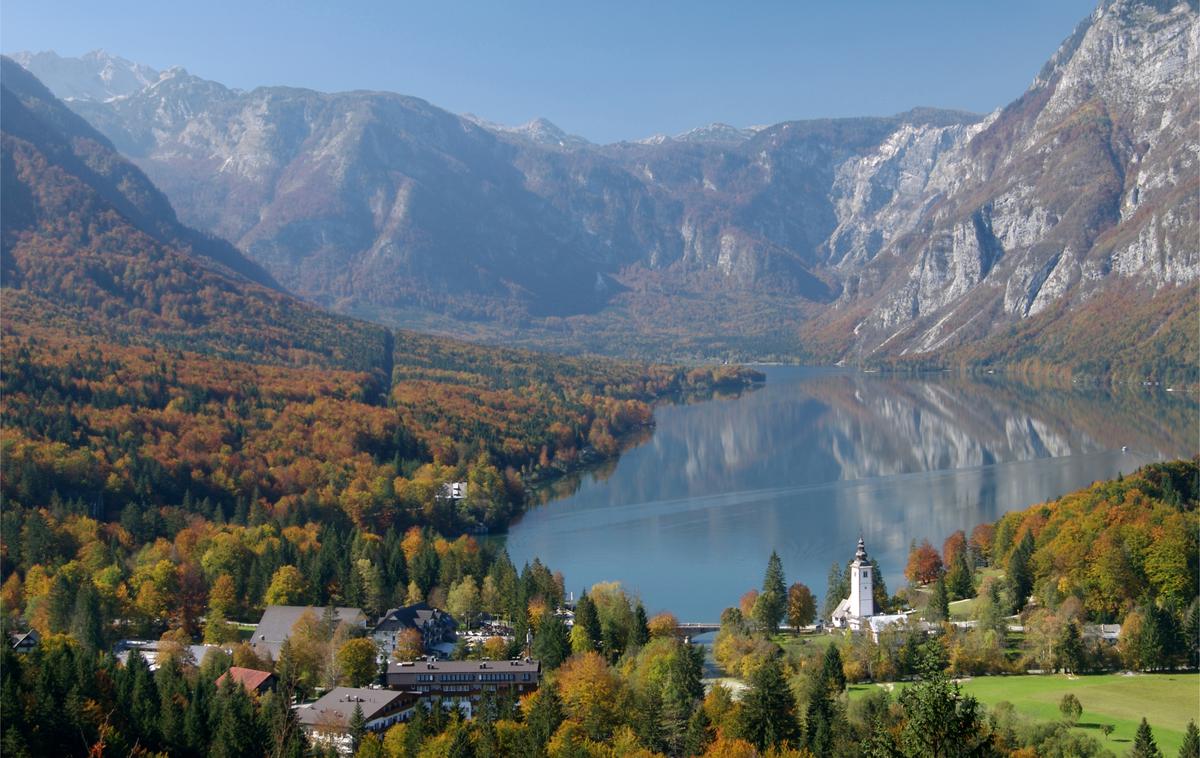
{"points": [[855, 611]]}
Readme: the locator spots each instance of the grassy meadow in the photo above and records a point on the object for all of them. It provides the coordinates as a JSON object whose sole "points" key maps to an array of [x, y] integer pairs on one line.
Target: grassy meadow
{"points": [[1167, 701]]}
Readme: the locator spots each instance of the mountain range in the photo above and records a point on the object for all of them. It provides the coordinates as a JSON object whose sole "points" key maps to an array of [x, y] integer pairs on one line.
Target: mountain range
{"points": [[1061, 229]]}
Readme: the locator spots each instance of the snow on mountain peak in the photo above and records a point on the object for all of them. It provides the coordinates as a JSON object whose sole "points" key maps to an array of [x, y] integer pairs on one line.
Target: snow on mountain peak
{"points": [[96, 75]]}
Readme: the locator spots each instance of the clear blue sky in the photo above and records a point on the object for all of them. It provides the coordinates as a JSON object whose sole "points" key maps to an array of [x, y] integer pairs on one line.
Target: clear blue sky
{"points": [[605, 69]]}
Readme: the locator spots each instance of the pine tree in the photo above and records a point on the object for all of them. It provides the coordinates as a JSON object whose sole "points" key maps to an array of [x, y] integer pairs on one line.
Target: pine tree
{"points": [[587, 618], [544, 716], [285, 739], [1191, 742], [1151, 645], [768, 716], [141, 699], [837, 589], [820, 722], [1190, 633], [678, 702], [1070, 650], [86, 623], [959, 581], [640, 632], [460, 743], [699, 733], [358, 726], [418, 728], [940, 720], [1144, 745], [61, 603], [771, 606], [552, 643], [238, 731], [938, 608], [172, 691], [197, 719], [833, 675], [1020, 572]]}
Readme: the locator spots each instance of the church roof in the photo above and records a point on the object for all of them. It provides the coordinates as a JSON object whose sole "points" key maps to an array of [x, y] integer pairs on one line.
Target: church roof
{"points": [[861, 553]]}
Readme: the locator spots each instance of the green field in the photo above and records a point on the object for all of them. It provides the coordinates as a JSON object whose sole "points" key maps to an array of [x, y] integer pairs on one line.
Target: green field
{"points": [[1167, 701]]}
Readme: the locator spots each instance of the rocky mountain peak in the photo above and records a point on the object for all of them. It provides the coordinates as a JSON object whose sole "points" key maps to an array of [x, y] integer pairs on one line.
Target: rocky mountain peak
{"points": [[538, 131], [96, 75], [717, 133], [926, 232]]}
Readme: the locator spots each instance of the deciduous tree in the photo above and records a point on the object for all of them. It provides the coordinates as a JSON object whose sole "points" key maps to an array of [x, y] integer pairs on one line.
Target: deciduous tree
{"points": [[801, 606]]}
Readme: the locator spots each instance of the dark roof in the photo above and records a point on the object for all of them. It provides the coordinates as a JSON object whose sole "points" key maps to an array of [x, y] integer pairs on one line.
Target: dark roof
{"points": [[412, 616], [336, 707], [520, 666], [251, 679], [19, 637]]}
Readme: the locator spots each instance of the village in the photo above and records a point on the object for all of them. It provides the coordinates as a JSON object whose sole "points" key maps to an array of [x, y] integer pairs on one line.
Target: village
{"points": [[403, 683], [422, 657]]}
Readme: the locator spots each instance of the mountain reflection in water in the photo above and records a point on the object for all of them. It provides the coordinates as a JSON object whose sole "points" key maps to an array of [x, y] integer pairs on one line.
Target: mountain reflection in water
{"points": [[803, 465]]}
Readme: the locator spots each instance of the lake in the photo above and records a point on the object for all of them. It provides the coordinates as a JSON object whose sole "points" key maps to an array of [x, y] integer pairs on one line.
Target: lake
{"points": [[803, 465]]}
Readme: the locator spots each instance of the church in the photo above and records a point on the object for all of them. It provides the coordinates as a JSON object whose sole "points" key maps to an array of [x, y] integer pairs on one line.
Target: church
{"points": [[855, 611]]}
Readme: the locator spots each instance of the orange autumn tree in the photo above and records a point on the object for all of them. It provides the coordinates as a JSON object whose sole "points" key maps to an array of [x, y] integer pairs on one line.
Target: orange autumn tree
{"points": [[924, 564]]}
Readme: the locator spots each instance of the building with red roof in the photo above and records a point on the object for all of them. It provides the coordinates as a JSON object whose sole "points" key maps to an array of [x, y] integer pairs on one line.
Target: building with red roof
{"points": [[255, 681]]}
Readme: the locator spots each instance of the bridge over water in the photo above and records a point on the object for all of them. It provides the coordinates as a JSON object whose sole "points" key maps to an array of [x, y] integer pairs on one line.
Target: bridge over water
{"points": [[692, 628]]}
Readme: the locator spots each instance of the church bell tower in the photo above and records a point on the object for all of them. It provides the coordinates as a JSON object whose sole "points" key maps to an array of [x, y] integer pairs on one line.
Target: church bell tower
{"points": [[862, 597]]}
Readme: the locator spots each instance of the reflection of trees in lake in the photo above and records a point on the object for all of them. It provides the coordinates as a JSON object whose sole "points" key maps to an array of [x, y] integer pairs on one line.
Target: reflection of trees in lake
{"points": [[842, 426]]}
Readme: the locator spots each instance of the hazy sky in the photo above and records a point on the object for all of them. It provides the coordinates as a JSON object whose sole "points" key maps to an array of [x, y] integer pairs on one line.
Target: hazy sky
{"points": [[606, 69]]}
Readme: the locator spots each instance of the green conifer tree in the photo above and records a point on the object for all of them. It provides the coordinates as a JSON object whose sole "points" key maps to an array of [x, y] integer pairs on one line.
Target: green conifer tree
{"points": [[1144, 745], [771, 606], [959, 580], [1191, 742], [938, 608], [358, 726], [552, 643], [699, 733], [238, 731], [939, 720], [545, 715], [640, 632], [1020, 572], [833, 675], [588, 619], [768, 715]]}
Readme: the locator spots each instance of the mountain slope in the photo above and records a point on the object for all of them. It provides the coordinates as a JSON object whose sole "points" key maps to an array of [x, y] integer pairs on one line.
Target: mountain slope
{"points": [[926, 237], [1084, 188], [139, 374], [89, 245], [68, 140], [371, 197]]}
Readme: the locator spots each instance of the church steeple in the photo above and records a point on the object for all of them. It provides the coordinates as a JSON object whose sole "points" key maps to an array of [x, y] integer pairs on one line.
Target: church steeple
{"points": [[862, 601]]}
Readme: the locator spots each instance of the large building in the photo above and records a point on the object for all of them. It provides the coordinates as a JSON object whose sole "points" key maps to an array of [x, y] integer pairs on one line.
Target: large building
{"points": [[853, 612], [435, 625], [277, 622], [327, 721], [464, 682]]}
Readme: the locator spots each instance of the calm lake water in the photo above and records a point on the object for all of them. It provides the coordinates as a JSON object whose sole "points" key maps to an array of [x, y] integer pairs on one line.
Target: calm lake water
{"points": [[687, 519]]}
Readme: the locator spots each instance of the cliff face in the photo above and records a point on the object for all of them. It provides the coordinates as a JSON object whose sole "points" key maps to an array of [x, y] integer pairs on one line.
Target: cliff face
{"points": [[930, 232], [1087, 182]]}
